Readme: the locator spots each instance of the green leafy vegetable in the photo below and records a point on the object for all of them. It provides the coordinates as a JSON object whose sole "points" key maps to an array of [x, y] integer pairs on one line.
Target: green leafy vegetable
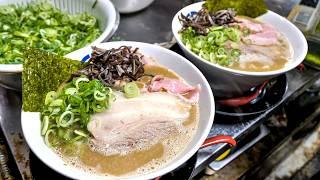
{"points": [[67, 112], [40, 25], [131, 90], [43, 72], [212, 47], [313, 58], [251, 8]]}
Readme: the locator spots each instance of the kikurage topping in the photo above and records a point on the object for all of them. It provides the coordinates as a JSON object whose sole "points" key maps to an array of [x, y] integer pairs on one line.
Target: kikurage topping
{"points": [[114, 65], [202, 20]]}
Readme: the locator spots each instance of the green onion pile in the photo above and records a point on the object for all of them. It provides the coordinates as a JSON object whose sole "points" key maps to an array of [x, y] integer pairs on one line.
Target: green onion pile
{"points": [[211, 47], [42, 26], [67, 111]]}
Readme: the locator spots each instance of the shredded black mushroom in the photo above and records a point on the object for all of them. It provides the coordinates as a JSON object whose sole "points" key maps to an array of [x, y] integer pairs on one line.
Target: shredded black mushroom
{"points": [[113, 66], [200, 21]]}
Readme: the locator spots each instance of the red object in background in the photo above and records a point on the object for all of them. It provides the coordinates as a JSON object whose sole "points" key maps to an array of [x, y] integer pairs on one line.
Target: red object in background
{"points": [[240, 101], [301, 67], [219, 139]]}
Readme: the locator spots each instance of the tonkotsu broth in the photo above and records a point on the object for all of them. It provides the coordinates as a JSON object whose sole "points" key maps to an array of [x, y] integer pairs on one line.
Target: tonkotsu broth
{"points": [[143, 161], [258, 58]]}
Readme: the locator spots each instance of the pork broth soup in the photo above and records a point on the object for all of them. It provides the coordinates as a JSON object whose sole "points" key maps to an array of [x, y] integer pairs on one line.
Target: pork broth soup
{"points": [[151, 115], [236, 42]]}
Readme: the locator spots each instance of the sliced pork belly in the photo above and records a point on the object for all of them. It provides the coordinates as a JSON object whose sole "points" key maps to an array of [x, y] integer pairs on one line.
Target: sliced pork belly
{"points": [[263, 38], [247, 23], [176, 86], [135, 123], [261, 33]]}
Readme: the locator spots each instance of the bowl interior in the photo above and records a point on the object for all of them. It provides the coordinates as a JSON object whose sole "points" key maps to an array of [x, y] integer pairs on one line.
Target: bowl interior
{"points": [[31, 122], [104, 11], [294, 35]]}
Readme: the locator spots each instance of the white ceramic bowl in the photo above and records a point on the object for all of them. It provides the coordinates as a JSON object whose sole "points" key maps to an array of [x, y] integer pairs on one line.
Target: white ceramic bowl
{"points": [[31, 121], [228, 82], [130, 6], [104, 11]]}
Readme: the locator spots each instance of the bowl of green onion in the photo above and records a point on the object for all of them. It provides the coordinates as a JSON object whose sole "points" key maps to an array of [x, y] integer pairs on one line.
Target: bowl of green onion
{"points": [[58, 26]]}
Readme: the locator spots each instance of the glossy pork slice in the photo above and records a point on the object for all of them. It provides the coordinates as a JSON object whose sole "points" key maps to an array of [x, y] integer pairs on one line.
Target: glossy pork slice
{"points": [[252, 24], [261, 33], [176, 86], [137, 123]]}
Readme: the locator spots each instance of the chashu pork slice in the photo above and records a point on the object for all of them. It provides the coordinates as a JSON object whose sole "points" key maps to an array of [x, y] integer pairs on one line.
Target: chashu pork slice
{"points": [[136, 123]]}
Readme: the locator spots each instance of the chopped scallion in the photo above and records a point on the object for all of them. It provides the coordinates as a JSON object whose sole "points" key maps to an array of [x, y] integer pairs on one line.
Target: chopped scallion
{"points": [[45, 125], [131, 90]]}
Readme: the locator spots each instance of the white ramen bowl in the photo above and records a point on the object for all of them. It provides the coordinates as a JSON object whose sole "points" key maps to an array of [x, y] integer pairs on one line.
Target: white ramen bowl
{"points": [[31, 125], [103, 10], [227, 82]]}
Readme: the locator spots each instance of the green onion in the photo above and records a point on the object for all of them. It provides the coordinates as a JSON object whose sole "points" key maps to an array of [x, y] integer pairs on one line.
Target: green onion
{"points": [[213, 47], [233, 34], [66, 119], [75, 100], [83, 79], [54, 111], [220, 38], [71, 91], [57, 102], [212, 57], [221, 52], [99, 96], [235, 52], [70, 108], [45, 125], [52, 95], [131, 90], [21, 34], [39, 25], [80, 133], [76, 139], [97, 106], [46, 137]]}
